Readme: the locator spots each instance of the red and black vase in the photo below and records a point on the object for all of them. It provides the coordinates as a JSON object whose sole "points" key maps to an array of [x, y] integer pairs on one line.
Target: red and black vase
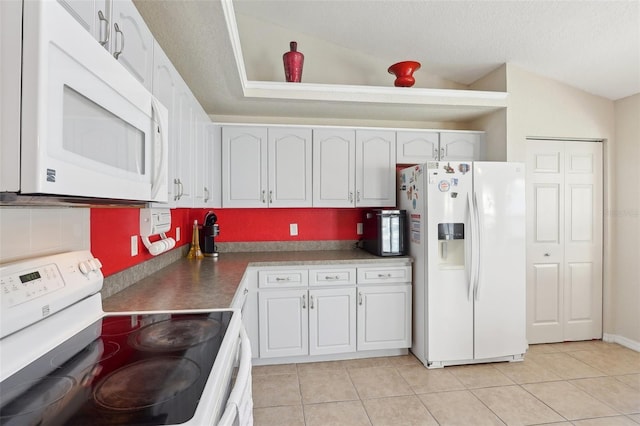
{"points": [[293, 62]]}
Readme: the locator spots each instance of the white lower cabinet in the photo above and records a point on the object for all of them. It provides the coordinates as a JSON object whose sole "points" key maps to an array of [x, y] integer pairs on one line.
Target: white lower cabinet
{"points": [[307, 322], [384, 317], [284, 323], [332, 321], [338, 310]]}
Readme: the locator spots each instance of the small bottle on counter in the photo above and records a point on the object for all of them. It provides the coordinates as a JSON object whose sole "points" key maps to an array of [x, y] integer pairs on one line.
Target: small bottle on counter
{"points": [[194, 251]]}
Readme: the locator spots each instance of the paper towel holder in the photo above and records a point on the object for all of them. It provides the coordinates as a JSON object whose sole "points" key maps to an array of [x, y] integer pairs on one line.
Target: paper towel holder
{"points": [[155, 221]]}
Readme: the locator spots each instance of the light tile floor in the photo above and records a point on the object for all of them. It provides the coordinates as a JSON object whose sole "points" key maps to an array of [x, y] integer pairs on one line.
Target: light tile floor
{"points": [[577, 383]]}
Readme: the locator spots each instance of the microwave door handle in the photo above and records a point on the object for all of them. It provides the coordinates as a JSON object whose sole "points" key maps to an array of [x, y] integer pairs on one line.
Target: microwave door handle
{"points": [[158, 174]]}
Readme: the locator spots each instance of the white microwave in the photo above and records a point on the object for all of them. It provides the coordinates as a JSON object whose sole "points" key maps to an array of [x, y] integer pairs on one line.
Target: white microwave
{"points": [[88, 129]]}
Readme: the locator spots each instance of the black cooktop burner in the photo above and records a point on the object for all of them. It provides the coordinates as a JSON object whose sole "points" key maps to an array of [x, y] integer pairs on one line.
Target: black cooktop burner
{"points": [[141, 370], [175, 334], [146, 383]]}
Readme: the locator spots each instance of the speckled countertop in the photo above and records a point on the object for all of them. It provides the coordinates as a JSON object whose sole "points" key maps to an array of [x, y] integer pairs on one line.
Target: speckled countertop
{"points": [[211, 284]]}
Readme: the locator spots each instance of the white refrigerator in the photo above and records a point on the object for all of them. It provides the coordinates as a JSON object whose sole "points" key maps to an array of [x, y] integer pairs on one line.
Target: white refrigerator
{"points": [[466, 225]]}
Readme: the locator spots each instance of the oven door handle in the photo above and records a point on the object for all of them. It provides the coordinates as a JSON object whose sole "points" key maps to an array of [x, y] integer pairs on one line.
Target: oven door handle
{"points": [[240, 404]]}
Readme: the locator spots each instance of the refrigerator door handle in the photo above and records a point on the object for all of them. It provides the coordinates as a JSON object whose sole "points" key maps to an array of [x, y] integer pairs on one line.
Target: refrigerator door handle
{"points": [[472, 238], [477, 244]]}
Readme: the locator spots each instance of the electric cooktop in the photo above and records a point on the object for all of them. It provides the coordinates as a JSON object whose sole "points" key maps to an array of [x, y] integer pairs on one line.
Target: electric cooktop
{"points": [[142, 369]]}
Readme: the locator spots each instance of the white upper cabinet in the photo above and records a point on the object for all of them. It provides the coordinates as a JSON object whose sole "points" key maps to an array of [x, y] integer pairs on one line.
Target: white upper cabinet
{"points": [[417, 147], [290, 151], [266, 167], [375, 168], [334, 175], [244, 166], [121, 31], [184, 152], [456, 146], [209, 177], [353, 168], [131, 41], [92, 15]]}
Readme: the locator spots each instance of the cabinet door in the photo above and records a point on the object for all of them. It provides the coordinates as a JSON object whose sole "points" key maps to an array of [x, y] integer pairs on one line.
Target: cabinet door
{"points": [[202, 160], [132, 41], [92, 15], [283, 323], [185, 146], [332, 321], [416, 147], [334, 168], [244, 166], [212, 170], [290, 151], [164, 88], [384, 317], [460, 146], [375, 168]]}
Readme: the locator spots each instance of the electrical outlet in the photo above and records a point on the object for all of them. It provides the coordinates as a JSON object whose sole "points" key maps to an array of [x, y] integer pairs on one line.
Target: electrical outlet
{"points": [[359, 230], [177, 234], [134, 245], [293, 229]]}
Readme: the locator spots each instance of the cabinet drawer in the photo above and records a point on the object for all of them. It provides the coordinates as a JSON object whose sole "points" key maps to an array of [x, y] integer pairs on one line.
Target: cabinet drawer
{"points": [[395, 274], [283, 278], [326, 277]]}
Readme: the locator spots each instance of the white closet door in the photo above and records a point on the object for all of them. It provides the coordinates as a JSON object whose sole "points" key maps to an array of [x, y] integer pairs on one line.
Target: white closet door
{"points": [[564, 241]]}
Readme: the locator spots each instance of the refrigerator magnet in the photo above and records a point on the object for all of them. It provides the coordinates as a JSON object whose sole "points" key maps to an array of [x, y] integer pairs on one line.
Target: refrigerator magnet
{"points": [[444, 186]]}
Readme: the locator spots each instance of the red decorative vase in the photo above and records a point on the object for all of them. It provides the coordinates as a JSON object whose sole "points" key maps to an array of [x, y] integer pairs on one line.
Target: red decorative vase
{"points": [[293, 62], [404, 73]]}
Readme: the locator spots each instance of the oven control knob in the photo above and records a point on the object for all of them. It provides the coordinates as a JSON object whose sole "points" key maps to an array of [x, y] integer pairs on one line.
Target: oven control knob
{"points": [[95, 264], [84, 267]]}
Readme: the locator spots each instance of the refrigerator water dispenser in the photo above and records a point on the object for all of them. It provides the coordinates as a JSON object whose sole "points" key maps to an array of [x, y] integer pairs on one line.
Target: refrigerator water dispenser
{"points": [[451, 245]]}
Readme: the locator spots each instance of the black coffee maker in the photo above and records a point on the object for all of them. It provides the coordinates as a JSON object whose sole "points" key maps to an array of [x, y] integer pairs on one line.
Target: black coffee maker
{"points": [[210, 230]]}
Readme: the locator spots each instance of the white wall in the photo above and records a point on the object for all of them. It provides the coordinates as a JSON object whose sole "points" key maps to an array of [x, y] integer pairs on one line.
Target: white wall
{"points": [[625, 221], [29, 232], [539, 106], [542, 107]]}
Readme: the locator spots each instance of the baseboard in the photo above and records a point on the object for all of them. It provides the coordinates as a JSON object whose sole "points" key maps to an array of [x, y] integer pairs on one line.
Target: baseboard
{"points": [[621, 340]]}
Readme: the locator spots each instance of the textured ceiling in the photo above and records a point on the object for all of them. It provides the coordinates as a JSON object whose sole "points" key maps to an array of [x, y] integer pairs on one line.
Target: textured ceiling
{"points": [[591, 45]]}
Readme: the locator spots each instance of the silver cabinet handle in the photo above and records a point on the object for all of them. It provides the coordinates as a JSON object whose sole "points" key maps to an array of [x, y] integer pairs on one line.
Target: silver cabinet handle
{"points": [[310, 302], [246, 290], [351, 196], [547, 255], [360, 298], [271, 197], [384, 275], [179, 188], [262, 198], [331, 277], [283, 279], [206, 194], [117, 53], [304, 301], [435, 153], [104, 20], [441, 153], [357, 196]]}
